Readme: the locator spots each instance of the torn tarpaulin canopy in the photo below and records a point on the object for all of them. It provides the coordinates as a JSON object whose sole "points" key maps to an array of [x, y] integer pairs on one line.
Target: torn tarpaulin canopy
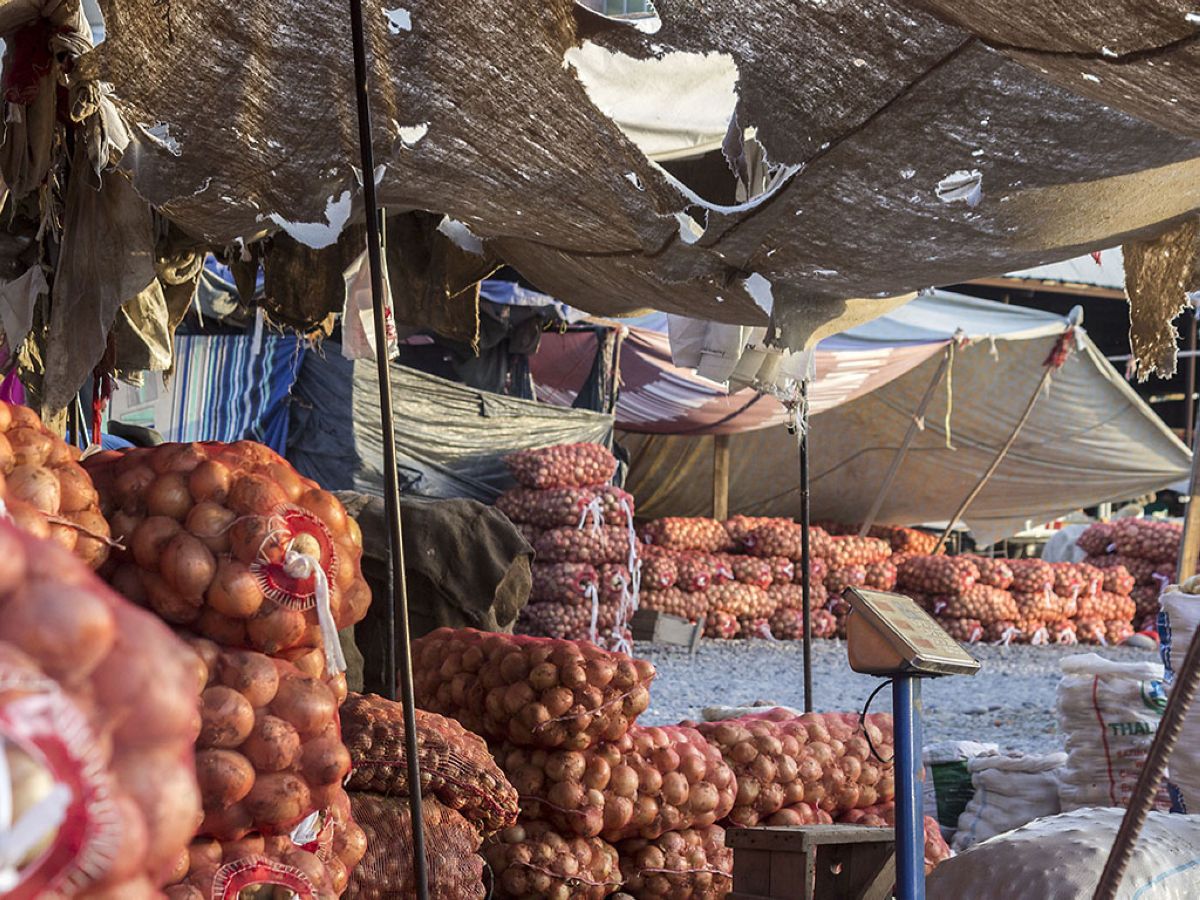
{"points": [[863, 108]]}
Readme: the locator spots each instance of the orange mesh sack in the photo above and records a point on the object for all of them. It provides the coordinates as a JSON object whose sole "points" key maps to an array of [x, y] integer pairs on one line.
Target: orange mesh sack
{"points": [[230, 542], [45, 489], [562, 466], [532, 862], [565, 507], [455, 868], [456, 766], [693, 864], [535, 692], [98, 713]]}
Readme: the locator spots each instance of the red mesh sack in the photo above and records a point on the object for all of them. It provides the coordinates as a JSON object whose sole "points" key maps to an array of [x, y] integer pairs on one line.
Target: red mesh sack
{"points": [[1149, 539], [563, 465], [1117, 631], [531, 691], [793, 595], [986, 604], [754, 627], [822, 759], [1096, 539], [98, 704], [721, 625], [659, 572], [852, 550], [230, 542], [651, 781], [740, 600], [739, 528], [215, 870], [993, 572], [674, 602], [1031, 576], [799, 814], [453, 864], [530, 861], [456, 766], [1145, 600], [965, 631], [755, 571], [1107, 606], [270, 751], [584, 620], [595, 546], [843, 577], [1062, 632], [783, 570], [571, 507], [695, 572], [1091, 631], [777, 537], [818, 569], [562, 582], [906, 540], [881, 576], [1004, 632], [937, 574], [694, 863], [531, 533], [703, 535], [1142, 570], [1046, 606]]}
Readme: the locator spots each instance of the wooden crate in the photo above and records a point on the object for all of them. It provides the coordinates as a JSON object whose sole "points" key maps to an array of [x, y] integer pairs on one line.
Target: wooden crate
{"points": [[812, 862], [660, 628]]}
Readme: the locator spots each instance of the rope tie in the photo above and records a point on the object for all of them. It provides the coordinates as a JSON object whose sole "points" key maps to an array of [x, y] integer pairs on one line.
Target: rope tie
{"points": [[303, 566]]}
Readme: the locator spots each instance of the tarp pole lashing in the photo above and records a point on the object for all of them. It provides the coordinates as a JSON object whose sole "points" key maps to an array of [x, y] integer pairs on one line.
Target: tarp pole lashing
{"points": [[396, 617]]}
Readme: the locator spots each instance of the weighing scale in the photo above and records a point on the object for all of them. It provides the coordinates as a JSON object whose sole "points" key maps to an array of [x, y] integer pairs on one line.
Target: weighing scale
{"points": [[891, 636]]}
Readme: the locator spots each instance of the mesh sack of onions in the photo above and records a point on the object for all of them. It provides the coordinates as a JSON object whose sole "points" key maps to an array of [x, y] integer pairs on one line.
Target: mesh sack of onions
{"points": [[754, 627], [1091, 631], [992, 572], [675, 602], [852, 550], [937, 850], [1108, 606], [1034, 631], [906, 540], [659, 571], [740, 600], [530, 691], [255, 866], [739, 528], [569, 507], [817, 569], [721, 625], [753, 570], [694, 863], [842, 577], [699, 534], [965, 631], [987, 604], [1096, 539], [562, 582], [1062, 632], [456, 766], [1031, 575], [99, 705], [530, 861], [881, 576], [1145, 600], [270, 751], [1147, 539], [1118, 630], [582, 621], [454, 866], [793, 595], [1070, 581], [937, 574], [783, 570], [694, 572], [822, 759], [1006, 631], [228, 541], [1046, 606], [778, 537], [787, 623], [595, 546], [45, 489], [651, 781], [562, 466], [799, 814]]}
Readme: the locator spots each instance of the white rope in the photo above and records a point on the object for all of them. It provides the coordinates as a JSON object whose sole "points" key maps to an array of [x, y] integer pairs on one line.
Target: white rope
{"points": [[301, 566], [1007, 636], [595, 510], [593, 594]]}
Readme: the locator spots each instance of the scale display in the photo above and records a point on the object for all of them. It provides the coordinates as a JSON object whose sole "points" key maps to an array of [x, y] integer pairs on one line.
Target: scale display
{"points": [[889, 634]]}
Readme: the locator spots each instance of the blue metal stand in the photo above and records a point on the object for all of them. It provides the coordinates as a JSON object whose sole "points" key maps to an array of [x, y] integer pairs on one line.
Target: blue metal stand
{"points": [[910, 811]]}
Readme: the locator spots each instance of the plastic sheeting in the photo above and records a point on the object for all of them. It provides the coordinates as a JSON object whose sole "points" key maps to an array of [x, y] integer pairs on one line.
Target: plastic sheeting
{"points": [[1090, 439], [451, 440]]}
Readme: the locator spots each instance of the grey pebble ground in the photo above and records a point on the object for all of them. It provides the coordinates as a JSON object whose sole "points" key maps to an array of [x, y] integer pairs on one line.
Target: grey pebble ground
{"points": [[1009, 702]]}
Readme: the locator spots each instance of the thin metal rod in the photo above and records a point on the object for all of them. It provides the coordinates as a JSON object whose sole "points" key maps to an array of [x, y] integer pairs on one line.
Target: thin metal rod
{"points": [[805, 550], [914, 426], [397, 634], [991, 470], [1189, 544], [910, 804], [1189, 404]]}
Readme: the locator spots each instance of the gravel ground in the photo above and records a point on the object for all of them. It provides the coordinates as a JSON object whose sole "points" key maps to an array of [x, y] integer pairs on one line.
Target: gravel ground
{"points": [[1009, 702]]}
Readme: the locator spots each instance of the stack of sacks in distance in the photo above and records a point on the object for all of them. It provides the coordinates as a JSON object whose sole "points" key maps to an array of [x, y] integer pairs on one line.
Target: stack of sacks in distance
{"points": [[257, 568], [586, 570], [1138, 557]]}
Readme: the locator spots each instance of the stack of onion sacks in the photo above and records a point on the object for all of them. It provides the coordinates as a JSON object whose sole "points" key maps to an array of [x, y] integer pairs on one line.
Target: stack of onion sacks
{"points": [[100, 699], [44, 488], [230, 542]]}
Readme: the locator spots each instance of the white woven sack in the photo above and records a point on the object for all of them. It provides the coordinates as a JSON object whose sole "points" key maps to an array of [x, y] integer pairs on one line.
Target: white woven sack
{"points": [[1177, 623], [1010, 791]]}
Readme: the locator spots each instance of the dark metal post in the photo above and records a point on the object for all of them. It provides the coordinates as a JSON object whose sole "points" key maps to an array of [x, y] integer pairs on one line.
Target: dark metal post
{"points": [[1189, 402], [805, 550], [397, 600]]}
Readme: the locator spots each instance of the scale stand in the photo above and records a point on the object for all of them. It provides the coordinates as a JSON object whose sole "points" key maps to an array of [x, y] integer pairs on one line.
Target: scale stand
{"points": [[889, 635]]}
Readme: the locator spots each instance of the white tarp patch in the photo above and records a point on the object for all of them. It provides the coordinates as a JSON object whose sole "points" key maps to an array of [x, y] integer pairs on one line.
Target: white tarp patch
{"points": [[759, 289], [961, 186], [398, 19], [319, 234], [160, 135], [461, 235], [411, 135]]}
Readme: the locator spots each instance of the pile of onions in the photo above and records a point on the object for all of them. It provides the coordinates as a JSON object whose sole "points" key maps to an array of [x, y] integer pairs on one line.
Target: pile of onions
{"points": [[1045, 606], [842, 577], [453, 865], [1031, 575], [562, 466], [270, 752], [693, 863], [1147, 539], [659, 571], [752, 627], [965, 631], [740, 600], [1096, 539], [937, 574], [531, 861], [721, 625], [456, 766], [675, 602], [596, 546], [562, 582], [565, 507], [228, 541], [753, 570], [993, 572], [534, 692], [852, 550], [881, 576], [45, 489], [824, 760], [703, 535], [651, 781], [1117, 580], [100, 699]]}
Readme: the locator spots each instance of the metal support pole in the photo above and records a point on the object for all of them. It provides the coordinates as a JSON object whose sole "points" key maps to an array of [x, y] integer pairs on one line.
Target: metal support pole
{"points": [[397, 601], [805, 549], [1189, 403], [910, 806]]}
